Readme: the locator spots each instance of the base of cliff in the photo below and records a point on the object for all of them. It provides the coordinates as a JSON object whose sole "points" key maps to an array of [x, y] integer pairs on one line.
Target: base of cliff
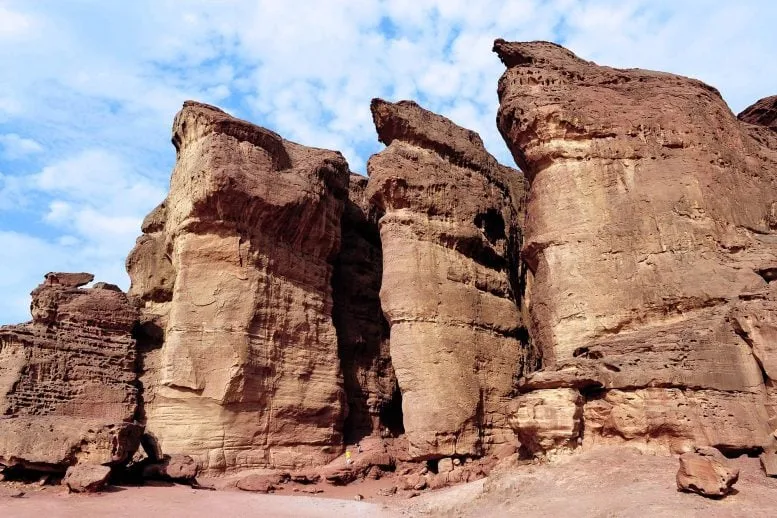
{"points": [[605, 482]]}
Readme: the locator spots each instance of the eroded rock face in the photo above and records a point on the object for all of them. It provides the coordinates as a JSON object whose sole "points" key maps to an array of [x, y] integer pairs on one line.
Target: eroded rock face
{"points": [[362, 331], [650, 241], [67, 379], [707, 472], [762, 113], [237, 266], [450, 230]]}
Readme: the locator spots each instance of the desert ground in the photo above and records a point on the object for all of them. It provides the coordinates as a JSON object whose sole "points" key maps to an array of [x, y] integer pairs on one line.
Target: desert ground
{"points": [[611, 482]]}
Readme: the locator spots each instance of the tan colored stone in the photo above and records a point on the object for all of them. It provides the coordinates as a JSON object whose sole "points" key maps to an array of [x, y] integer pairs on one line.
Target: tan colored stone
{"points": [[87, 478], [248, 373], [67, 378], [707, 472], [544, 420], [450, 230], [650, 220]]}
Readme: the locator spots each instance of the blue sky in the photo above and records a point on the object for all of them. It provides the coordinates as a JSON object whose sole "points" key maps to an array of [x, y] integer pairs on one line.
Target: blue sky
{"points": [[89, 89]]}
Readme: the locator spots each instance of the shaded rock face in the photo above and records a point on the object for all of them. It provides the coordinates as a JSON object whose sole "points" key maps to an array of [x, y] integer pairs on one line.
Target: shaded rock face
{"points": [[67, 379], [450, 230], [650, 244], [762, 113], [363, 335], [236, 268]]}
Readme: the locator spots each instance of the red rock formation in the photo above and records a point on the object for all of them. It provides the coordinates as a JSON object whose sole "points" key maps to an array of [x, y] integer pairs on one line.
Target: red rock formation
{"points": [[762, 113], [236, 268], [67, 379], [450, 232], [649, 233], [362, 331]]}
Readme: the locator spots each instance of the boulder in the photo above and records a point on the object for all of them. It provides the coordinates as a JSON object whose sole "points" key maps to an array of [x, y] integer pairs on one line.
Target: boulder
{"points": [[68, 384], [444, 465], [261, 483], [233, 276], [650, 247], [177, 467], [769, 463], [450, 227], [548, 419], [707, 472], [87, 478]]}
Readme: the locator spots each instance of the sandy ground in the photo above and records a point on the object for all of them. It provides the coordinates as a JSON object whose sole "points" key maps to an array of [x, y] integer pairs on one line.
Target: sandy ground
{"points": [[604, 483]]}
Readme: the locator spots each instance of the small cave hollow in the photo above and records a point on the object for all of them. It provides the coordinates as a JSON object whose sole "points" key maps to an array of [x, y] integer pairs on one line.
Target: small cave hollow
{"points": [[492, 224]]}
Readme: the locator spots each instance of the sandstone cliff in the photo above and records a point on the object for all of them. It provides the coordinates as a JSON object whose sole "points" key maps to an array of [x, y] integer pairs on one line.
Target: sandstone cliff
{"points": [[68, 389], [450, 229], [374, 401], [649, 236], [234, 276]]}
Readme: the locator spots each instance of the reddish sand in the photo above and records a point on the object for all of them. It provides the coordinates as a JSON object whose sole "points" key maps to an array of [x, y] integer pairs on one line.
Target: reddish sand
{"points": [[604, 483]]}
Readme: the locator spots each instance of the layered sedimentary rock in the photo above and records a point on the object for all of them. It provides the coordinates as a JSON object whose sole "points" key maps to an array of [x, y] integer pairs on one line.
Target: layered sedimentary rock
{"points": [[235, 268], [68, 390], [450, 230], [649, 235], [362, 331]]}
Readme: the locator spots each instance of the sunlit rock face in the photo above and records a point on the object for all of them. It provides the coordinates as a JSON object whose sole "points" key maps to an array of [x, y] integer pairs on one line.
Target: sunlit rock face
{"points": [[650, 240], [450, 231], [234, 277], [68, 381]]}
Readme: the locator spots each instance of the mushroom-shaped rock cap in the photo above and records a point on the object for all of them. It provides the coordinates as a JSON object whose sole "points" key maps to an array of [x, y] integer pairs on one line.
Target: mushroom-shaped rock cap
{"points": [[68, 280], [406, 121], [197, 120], [530, 52]]}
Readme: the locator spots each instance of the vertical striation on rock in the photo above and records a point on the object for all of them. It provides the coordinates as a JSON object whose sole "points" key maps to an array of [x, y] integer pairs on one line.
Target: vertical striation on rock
{"points": [[237, 266], [649, 235], [362, 331], [450, 230], [68, 385]]}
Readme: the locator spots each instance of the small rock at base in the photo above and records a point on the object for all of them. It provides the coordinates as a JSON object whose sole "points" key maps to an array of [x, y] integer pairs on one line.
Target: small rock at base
{"points": [[358, 498], [86, 478], [707, 472], [769, 463]]}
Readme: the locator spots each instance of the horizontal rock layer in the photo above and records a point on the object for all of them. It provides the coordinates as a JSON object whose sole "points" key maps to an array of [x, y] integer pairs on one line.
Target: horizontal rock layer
{"points": [[68, 384], [650, 241], [450, 231], [234, 276]]}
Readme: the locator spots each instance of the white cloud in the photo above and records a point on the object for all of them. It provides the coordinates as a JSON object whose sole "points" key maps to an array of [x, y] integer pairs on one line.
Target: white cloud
{"points": [[15, 147]]}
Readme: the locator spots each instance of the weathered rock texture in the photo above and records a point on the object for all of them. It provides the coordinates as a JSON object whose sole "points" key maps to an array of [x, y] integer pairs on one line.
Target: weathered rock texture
{"points": [[363, 334], [762, 113], [236, 268], [67, 379], [450, 230], [650, 240], [707, 472]]}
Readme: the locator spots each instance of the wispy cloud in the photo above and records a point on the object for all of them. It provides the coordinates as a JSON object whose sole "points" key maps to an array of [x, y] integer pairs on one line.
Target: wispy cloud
{"points": [[90, 87]]}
